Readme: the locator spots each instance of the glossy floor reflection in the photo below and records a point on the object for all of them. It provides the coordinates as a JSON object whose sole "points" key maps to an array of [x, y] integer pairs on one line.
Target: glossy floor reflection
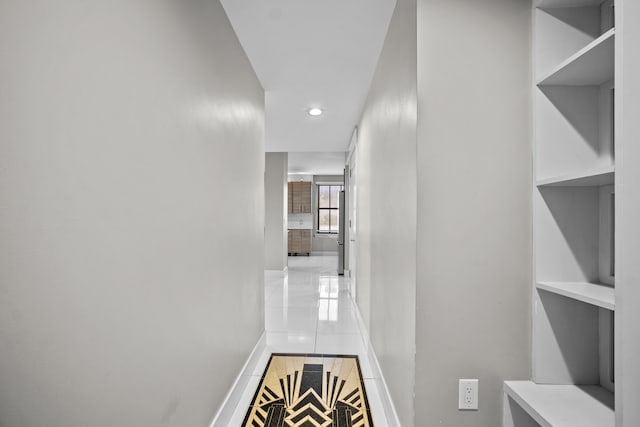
{"points": [[309, 309]]}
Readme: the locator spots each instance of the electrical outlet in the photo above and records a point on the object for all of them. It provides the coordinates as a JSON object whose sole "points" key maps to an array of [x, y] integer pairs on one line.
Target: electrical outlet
{"points": [[468, 394]]}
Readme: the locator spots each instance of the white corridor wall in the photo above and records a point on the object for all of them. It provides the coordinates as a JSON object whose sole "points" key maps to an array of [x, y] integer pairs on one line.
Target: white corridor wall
{"points": [[474, 205], [124, 246], [386, 200]]}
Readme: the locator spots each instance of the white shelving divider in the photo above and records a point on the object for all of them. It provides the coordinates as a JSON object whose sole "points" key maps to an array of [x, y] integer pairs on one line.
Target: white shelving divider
{"points": [[591, 293], [563, 405], [594, 178], [565, 3], [591, 66]]}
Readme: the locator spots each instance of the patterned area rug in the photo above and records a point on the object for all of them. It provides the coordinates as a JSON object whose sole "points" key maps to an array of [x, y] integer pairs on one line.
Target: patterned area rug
{"points": [[310, 390]]}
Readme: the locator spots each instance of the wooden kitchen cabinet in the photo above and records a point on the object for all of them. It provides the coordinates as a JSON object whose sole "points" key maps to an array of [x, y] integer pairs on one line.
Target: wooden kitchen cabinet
{"points": [[299, 242], [299, 197]]}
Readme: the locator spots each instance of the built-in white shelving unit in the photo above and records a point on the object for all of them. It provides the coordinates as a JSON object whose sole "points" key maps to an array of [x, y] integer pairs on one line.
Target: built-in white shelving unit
{"points": [[574, 296]]}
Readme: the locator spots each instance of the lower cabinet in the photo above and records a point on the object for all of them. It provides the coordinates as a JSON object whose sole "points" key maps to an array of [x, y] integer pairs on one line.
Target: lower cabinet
{"points": [[299, 242]]}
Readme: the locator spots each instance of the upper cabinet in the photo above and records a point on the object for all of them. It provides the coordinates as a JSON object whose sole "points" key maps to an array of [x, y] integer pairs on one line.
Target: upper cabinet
{"points": [[299, 197]]}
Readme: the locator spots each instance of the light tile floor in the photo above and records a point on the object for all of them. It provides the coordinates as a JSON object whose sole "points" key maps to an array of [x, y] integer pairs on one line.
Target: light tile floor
{"points": [[309, 309]]}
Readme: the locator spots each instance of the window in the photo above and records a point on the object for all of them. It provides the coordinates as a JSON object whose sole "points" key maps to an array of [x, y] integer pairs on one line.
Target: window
{"points": [[328, 208]]}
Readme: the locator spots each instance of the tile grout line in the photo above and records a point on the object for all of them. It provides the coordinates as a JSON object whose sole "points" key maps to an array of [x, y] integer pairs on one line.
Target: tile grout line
{"points": [[315, 340]]}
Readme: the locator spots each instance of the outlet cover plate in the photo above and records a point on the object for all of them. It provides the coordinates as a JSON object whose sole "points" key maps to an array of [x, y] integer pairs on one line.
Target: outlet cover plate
{"points": [[468, 394]]}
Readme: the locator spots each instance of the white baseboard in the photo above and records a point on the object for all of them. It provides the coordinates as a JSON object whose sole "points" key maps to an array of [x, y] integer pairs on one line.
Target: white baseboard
{"points": [[230, 402], [385, 397]]}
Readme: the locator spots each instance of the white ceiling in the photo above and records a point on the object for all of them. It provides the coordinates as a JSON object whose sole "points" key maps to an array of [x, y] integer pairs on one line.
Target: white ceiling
{"points": [[311, 163], [310, 53]]}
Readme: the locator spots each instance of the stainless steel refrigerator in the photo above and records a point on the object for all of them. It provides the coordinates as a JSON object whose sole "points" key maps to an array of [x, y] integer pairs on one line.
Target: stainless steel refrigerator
{"points": [[341, 211]]}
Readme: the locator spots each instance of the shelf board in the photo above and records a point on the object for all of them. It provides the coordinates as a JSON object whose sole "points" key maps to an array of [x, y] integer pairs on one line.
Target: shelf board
{"points": [[591, 65], [566, 3], [593, 178], [564, 405], [591, 293]]}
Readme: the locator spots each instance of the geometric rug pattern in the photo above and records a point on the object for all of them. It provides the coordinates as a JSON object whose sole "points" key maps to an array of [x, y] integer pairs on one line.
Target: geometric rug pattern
{"points": [[310, 390]]}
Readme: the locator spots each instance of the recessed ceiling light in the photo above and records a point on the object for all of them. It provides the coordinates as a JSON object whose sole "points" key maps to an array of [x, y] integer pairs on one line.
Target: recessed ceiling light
{"points": [[315, 111]]}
